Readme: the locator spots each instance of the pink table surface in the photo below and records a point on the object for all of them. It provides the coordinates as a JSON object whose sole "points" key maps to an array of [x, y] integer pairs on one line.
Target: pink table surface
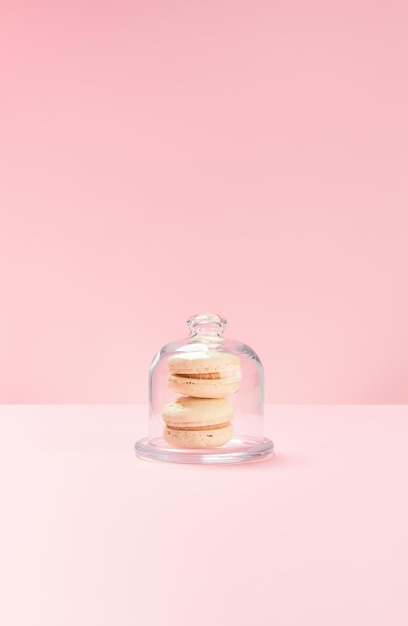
{"points": [[92, 536]]}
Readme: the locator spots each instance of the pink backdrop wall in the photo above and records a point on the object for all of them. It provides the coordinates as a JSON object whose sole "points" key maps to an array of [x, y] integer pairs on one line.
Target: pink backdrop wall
{"points": [[162, 158]]}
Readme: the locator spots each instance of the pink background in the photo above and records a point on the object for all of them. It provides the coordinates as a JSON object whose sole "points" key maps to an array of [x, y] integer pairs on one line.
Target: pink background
{"points": [[162, 158]]}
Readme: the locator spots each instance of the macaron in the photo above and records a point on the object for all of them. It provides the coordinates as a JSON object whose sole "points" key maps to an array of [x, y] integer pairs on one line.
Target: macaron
{"points": [[204, 374], [203, 438], [198, 422]]}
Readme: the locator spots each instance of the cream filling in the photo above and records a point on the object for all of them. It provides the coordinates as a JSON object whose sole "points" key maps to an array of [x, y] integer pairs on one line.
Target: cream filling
{"points": [[230, 372], [228, 377], [192, 428]]}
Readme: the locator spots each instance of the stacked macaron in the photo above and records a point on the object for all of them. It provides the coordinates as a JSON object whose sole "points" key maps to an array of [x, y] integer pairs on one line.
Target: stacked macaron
{"points": [[201, 418], [198, 422]]}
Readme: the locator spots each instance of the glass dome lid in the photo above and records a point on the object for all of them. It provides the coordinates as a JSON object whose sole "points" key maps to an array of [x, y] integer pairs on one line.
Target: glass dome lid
{"points": [[205, 399]]}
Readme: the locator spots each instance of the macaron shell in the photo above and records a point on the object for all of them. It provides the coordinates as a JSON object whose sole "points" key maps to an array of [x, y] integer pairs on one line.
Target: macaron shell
{"points": [[202, 362], [191, 412], [205, 438], [204, 387]]}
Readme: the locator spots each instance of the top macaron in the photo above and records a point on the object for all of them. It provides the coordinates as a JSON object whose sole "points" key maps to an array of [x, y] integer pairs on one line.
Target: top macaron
{"points": [[204, 374], [202, 362]]}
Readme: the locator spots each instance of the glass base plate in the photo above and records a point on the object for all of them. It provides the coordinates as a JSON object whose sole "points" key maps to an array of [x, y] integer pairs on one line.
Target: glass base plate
{"points": [[238, 450]]}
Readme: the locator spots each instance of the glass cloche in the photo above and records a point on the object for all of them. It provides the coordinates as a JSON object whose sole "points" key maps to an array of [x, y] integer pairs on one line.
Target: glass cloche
{"points": [[205, 399]]}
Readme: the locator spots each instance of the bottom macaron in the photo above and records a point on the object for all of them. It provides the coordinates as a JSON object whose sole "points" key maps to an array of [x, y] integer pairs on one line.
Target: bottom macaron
{"points": [[211, 437]]}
